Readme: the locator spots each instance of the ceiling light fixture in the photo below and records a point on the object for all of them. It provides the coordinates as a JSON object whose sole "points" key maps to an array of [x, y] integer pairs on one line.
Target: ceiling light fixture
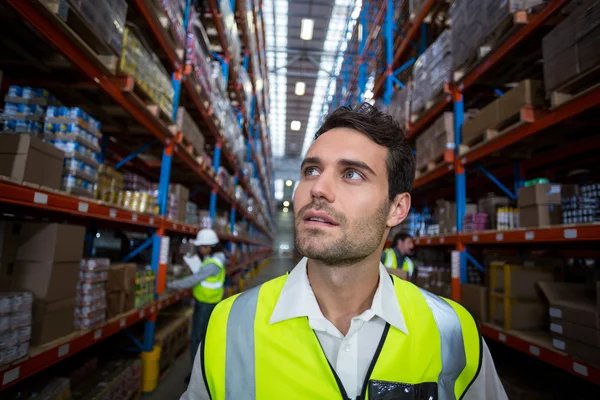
{"points": [[286, 203], [306, 28], [295, 125], [300, 88], [289, 183], [285, 209]]}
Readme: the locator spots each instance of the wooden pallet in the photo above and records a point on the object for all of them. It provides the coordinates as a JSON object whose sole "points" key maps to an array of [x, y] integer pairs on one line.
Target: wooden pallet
{"points": [[526, 115], [576, 87], [420, 112], [501, 32]]}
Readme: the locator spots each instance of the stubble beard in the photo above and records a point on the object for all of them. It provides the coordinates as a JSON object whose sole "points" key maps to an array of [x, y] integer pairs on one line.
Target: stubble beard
{"points": [[359, 239]]}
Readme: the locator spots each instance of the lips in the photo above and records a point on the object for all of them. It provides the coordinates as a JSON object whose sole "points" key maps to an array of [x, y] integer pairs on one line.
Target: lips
{"points": [[319, 217]]}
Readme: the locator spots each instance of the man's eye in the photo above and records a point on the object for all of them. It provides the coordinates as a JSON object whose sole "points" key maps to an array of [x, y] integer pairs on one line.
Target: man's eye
{"points": [[310, 171], [353, 175]]}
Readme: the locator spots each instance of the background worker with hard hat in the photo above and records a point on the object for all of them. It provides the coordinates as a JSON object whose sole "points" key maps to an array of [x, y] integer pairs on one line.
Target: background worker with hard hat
{"points": [[396, 258], [207, 282]]}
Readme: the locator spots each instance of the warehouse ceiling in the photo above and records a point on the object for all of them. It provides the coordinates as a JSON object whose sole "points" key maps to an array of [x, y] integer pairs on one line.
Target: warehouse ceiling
{"points": [[292, 59]]}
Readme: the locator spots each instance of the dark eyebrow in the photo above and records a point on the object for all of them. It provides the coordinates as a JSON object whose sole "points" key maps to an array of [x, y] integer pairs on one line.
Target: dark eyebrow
{"points": [[310, 160], [356, 164]]}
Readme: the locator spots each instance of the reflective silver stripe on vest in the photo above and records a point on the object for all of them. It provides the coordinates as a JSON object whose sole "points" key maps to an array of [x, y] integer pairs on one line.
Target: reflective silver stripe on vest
{"points": [[212, 285], [240, 374], [454, 358]]}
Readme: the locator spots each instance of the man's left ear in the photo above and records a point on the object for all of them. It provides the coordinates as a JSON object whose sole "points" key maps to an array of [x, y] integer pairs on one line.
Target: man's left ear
{"points": [[398, 209]]}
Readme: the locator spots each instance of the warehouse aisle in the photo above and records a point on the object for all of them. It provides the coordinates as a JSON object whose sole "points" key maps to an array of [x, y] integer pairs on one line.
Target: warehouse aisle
{"points": [[172, 385]]}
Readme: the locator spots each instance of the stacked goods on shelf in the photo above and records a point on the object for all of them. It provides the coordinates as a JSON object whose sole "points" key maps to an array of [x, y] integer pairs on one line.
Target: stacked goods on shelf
{"points": [[231, 35], [144, 288], [492, 205], [110, 184], [105, 17], [445, 215], [570, 50], [575, 318], [225, 180], [177, 200], [476, 23], [507, 219], [138, 195], [475, 222], [147, 71], [474, 298], [24, 110], [198, 55], [91, 293], [244, 81], [204, 220], [435, 279], [15, 325], [45, 259], [415, 7], [191, 213], [119, 380], [78, 135], [120, 289], [539, 203], [432, 144], [582, 205], [399, 107], [431, 72], [514, 301], [504, 112], [174, 11], [188, 127]]}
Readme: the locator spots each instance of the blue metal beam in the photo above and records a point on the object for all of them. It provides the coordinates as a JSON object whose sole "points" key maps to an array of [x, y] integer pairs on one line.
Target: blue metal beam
{"points": [[135, 340], [196, 191], [519, 178], [473, 261], [500, 185], [397, 82], [404, 66], [389, 51], [138, 249], [133, 155]]}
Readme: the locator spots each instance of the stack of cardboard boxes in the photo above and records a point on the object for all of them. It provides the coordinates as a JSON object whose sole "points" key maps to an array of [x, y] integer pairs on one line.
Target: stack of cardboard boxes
{"points": [[91, 293], [515, 302], [575, 318], [44, 258], [445, 215], [571, 49], [120, 288], [439, 137], [435, 279], [540, 205]]}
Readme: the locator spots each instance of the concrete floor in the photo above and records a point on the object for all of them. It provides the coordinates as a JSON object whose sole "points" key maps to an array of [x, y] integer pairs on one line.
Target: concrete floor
{"points": [[172, 384]]}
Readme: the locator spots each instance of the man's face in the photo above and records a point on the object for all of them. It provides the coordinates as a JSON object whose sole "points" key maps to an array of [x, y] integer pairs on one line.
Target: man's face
{"points": [[406, 246], [341, 203]]}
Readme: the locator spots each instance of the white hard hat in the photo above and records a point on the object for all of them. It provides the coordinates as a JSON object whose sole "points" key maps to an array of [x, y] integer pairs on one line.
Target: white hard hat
{"points": [[206, 237]]}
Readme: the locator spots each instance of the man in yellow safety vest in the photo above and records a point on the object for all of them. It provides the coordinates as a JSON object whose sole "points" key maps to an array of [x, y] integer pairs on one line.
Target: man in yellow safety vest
{"points": [[207, 282], [339, 326], [396, 257]]}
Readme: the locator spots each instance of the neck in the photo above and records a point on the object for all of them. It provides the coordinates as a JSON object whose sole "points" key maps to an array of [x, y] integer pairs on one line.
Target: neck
{"points": [[344, 292]]}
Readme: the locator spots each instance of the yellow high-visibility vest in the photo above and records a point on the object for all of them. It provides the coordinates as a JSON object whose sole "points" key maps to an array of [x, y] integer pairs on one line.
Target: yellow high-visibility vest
{"points": [[211, 290], [247, 358], [391, 261]]}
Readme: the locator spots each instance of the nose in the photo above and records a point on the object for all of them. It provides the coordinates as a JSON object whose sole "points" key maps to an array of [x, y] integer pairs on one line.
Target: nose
{"points": [[323, 188]]}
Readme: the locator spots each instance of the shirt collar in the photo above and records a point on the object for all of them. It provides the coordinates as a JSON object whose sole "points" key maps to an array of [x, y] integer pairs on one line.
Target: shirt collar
{"points": [[297, 299]]}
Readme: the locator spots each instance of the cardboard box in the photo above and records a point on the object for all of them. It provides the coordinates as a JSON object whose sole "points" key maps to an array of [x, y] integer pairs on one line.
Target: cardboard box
{"points": [[522, 281], [46, 280], [121, 278], [26, 158], [490, 205], [580, 350], [475, 299], [540, 215], [570, 302], [540, 194], [487, 118], [583, 334], [44, 242], [525, 315], [52, 320], [528, 92]]}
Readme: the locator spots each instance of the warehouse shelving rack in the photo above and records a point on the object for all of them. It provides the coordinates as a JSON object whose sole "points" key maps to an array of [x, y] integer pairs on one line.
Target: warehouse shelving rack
{"points": [[397, 50], [120, 90]]}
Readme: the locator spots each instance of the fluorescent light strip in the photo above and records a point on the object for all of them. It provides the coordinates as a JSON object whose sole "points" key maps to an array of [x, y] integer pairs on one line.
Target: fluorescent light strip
{"points": [[278, 30], [337, 34], [306, 28]]}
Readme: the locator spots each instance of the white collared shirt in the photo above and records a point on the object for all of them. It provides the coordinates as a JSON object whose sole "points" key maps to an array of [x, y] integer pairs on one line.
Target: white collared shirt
{"points": [[352, 354]]}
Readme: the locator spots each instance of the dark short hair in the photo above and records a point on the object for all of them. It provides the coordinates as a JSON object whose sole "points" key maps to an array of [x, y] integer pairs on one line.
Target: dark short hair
{"points": [[382, 129], [400, 237]]}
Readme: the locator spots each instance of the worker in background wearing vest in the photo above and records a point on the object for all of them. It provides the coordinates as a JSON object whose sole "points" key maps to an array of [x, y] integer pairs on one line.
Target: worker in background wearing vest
{"points": [[396, 257], [339, 326], [207, 282]]}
